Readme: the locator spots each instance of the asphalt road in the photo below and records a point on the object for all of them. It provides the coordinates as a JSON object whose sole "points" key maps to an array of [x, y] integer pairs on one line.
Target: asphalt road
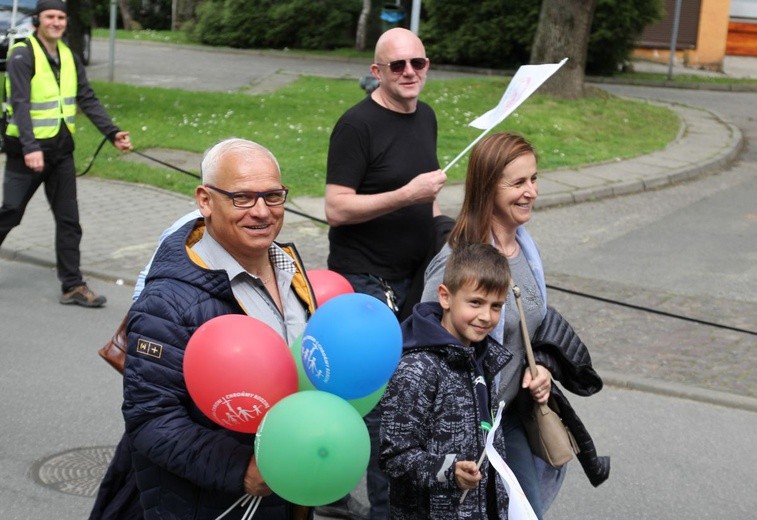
{"points": [[688, 249], [672, 458]]}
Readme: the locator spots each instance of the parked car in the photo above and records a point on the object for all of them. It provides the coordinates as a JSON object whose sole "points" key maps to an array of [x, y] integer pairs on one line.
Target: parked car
{"points": [[23, 28]]}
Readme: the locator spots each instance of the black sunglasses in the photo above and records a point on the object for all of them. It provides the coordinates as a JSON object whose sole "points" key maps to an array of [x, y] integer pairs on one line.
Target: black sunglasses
{"points": [[398, 66], [247, 199]]}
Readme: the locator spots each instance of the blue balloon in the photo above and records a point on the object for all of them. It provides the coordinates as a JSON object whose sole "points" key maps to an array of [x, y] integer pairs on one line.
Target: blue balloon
{"points": [[351, 346]]}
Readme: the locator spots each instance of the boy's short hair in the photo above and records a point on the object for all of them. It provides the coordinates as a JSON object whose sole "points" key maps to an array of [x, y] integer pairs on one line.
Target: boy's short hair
{"points": [[480, 264]]}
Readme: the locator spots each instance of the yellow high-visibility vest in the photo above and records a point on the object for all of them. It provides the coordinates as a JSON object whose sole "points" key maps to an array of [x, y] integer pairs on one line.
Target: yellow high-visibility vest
{"points": [[49, 102]]}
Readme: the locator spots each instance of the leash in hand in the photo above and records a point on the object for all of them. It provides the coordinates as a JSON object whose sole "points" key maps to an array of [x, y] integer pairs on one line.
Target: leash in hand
{"points": [[186, 172]]}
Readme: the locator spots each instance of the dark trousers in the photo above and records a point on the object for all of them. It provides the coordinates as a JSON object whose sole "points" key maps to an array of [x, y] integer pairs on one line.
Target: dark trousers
{"points": [[59, 177], [377, 483]]}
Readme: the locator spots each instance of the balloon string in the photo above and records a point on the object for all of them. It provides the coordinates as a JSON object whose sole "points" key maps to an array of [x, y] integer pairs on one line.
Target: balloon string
{"points": [[242, 501], [252, 508]]}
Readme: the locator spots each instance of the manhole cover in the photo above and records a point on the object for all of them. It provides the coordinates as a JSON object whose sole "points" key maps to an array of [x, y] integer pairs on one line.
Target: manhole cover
{"points": [[76, 472]]}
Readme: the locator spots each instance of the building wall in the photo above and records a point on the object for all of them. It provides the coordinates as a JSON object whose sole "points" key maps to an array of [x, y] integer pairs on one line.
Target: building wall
{"points": [[742, 31], [713, 34], [710, 48]]}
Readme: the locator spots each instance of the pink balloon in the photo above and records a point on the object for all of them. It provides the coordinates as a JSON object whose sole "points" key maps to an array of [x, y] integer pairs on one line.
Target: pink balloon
{"points": [[327, 284], [236, 368]]}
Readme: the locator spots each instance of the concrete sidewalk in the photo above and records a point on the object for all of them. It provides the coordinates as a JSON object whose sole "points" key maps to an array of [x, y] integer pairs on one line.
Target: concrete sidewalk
{"points": [[122, 221]]}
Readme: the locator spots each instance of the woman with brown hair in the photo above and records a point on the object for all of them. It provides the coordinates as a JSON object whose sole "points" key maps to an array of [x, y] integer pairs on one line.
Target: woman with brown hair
{"points": [[500, 193]]}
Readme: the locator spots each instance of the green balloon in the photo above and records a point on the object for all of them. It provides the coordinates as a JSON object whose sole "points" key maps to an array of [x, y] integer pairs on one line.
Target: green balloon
{"points": [[312, 448], [369, 402], [363, 405]]}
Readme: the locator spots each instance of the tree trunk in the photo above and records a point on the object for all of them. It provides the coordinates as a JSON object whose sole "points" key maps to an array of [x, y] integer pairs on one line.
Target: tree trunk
{"points": [[126, 17], [563, 31], [185, 11], [362, 26], [74, 29]]}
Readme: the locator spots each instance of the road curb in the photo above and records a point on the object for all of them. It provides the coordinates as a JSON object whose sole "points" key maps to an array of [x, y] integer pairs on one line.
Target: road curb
{"points": [[723, 158], [736, 86], [631, 382]]}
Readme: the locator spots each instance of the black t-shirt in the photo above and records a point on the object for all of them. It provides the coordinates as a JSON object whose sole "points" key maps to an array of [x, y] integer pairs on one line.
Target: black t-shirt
{"points": [[374, 150]]}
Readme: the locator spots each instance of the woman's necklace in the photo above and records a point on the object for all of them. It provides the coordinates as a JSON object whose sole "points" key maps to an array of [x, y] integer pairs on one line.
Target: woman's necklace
{"points": [[512, 252]]}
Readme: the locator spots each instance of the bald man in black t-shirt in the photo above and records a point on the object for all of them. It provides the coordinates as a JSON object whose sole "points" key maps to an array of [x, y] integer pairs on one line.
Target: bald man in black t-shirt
{"points": [[383, 176], [382, 180]]}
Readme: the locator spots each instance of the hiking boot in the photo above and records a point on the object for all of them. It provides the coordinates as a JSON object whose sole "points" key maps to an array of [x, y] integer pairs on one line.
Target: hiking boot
{"points": [[82, 295]]}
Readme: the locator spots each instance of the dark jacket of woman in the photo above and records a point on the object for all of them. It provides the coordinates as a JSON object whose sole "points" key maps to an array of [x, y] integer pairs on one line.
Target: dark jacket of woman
{"points": [[557, 346]]}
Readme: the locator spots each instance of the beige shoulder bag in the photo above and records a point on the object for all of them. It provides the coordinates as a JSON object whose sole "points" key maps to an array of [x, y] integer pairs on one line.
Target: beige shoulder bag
{"points": [[549, 438]]}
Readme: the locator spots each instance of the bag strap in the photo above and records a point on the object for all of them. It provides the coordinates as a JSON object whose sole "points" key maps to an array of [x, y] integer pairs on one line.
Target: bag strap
{"points": [[524, 329], [526, 339]]}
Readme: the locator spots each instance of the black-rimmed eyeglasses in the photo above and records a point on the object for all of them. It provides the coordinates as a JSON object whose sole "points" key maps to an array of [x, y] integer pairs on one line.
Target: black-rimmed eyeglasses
{"points": [[248, 199], [398, 66]]}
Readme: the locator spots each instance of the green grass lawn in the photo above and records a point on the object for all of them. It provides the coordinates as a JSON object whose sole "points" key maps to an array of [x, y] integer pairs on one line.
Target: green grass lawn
{"points": [[144, 35], [296, 121]]}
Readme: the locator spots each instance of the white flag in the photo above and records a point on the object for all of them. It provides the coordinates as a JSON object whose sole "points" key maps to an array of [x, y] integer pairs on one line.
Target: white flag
{"points": [[520, 508], [525, 82]]}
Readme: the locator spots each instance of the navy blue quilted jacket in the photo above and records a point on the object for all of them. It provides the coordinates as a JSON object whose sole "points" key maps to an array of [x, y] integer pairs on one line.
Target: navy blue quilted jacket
{"points": [[430, 420], [186, 465]]}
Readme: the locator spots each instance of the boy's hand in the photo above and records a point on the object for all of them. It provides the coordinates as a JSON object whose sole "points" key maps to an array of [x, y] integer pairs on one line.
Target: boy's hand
{"points": [[467, 475]]}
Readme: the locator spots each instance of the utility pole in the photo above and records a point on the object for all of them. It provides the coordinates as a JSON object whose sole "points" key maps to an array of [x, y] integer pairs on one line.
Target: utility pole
{"points": [[674, 38], [112, 42], [415, 16]]}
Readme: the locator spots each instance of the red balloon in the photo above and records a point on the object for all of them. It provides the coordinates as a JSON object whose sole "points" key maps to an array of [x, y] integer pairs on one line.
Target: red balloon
{"points": [[327, 284], [236, 368]]}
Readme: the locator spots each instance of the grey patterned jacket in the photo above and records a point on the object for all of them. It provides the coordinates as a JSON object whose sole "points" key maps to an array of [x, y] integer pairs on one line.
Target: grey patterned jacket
{"points": [[431, 419]]}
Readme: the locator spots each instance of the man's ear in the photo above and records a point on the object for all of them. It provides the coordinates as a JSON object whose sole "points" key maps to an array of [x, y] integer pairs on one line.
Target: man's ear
{"points": [[375, 72], [202, 198], [444, 296]]}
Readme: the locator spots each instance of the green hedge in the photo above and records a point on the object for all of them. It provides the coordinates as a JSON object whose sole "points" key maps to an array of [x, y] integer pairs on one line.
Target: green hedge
{"points": [[482, 33], [489, 33], [617, 25], [302, 24], [499, 33]]}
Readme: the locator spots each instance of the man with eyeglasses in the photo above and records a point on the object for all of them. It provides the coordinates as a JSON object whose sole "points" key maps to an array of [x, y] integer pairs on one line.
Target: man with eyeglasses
{"points": [[224, 262], [381, 185]]}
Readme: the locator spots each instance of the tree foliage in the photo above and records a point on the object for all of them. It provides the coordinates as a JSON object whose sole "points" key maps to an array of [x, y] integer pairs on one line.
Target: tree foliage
{"points": [[134, 14], [303, 24], [481, 33], [617, 25], [500, 33], [486, 33]]}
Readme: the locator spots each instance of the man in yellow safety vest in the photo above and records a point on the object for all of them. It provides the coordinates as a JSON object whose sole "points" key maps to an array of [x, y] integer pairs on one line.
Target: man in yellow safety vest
{"points": [[45, 82]]}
